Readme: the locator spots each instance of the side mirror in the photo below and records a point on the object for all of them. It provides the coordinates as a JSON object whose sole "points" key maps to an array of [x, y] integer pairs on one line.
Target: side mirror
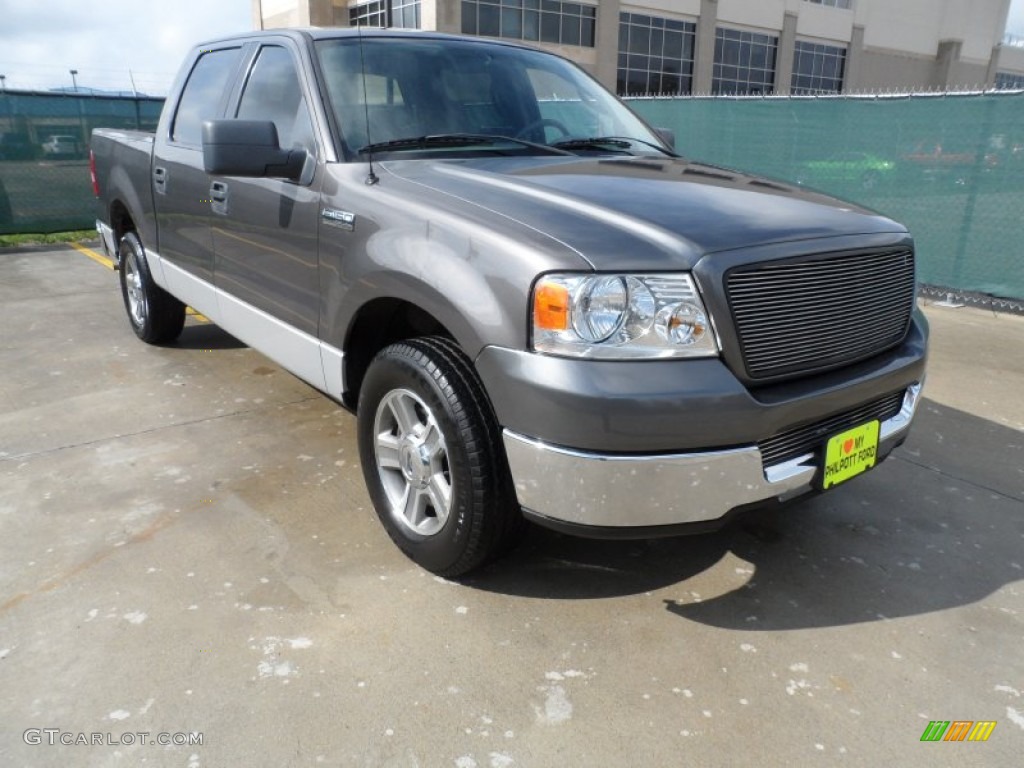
{"points": [[248, 148], [667, 135]]}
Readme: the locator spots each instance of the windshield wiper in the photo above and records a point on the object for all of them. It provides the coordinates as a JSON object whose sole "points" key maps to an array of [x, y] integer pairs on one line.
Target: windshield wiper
{"points": [[454, 140], [603, 142]]}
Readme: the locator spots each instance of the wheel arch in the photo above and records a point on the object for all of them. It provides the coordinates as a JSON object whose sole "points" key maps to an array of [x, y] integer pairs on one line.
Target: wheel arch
{"points": [[122, 223], [376, 324]]}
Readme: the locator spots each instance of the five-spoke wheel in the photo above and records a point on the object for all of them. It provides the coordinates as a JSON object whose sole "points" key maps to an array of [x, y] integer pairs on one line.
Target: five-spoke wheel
{"points": [[412, 461], [433, 459], [155, 315]]}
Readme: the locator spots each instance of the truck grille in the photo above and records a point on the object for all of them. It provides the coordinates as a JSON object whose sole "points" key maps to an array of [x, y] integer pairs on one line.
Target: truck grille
{"points": [[797, 317], [810, 437]]}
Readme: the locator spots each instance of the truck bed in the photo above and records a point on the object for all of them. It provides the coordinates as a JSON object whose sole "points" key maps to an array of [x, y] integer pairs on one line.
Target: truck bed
{"points": [[123, 163]]}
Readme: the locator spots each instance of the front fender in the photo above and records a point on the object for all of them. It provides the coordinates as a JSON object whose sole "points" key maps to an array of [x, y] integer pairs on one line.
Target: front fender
{"points": [[443, 281]]}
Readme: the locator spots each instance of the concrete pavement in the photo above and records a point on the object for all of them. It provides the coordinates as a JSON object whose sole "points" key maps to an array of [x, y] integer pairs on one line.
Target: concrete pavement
{"points": [[186, 547]]}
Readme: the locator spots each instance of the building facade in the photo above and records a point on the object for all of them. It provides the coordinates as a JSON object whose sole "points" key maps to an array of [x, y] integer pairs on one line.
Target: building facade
{"points": [[672, 47]]}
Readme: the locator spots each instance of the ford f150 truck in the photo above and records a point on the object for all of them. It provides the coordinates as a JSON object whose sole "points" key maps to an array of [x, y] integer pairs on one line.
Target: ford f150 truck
{"points": [[535, 307]]}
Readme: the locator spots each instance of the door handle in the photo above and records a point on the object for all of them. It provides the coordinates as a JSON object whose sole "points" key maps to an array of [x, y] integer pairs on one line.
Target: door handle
{"points": [[160, 179], [219, 191]]}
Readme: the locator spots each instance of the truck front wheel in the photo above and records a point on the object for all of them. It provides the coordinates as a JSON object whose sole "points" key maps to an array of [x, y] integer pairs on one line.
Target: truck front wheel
{"points": [[155, 315], [432, 457]]}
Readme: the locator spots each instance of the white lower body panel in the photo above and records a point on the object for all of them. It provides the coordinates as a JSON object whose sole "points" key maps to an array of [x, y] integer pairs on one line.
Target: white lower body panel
{"points": [[312, 360]]}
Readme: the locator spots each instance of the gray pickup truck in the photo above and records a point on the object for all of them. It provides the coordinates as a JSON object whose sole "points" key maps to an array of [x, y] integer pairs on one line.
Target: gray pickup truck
{"points": [[535, 307]]}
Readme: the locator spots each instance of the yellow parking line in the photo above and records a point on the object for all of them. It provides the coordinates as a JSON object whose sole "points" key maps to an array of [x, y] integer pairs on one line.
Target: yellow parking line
{"points": [[101, 259], [98, 258]]}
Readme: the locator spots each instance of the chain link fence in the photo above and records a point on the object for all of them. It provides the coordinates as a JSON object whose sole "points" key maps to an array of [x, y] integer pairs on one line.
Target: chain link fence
{"points": [[44, 155], [950, 167]]}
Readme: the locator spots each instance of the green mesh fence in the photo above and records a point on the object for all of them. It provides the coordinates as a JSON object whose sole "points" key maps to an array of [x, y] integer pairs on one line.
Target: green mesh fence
{"points": [[950, 167], [44, 155]]}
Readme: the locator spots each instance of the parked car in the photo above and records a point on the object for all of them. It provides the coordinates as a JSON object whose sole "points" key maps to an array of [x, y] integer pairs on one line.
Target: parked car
{"points": [[529, 319], [934, 160], [862, 169], [61, 146]]}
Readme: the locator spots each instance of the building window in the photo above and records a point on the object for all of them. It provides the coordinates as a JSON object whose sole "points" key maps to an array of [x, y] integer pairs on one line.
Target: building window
{"points": [[1009, 81], [386, 13], [655, 55], [744, 62], [817, 68], [833, 3], [545, 21]]}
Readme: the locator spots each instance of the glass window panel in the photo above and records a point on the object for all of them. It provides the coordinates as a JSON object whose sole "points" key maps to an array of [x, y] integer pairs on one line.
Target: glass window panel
{"points": [[531, 25], [550, 27], [202, 94], [570, 30], [490, 20], [639, 62], [469, 18], [639, 39], [272, 92], [512, 23], [657, 41], [731, 52], [673, 45], [587, 32]]}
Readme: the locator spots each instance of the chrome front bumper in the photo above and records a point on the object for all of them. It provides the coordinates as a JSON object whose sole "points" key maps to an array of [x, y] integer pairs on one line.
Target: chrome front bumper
{"points": [[591, 489]]}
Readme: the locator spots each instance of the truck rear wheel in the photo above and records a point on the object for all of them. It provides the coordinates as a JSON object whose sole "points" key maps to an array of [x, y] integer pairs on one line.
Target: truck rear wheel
{"points": [[155, 315], [432, 457]]}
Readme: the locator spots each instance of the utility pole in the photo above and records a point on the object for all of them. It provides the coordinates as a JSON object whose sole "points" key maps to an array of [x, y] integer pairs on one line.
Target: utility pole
{"points": [[74, 82]]}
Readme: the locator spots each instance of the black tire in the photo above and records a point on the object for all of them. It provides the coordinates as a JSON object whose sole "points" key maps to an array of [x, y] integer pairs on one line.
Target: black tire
{"points": [[155, 315], [483, 520]]}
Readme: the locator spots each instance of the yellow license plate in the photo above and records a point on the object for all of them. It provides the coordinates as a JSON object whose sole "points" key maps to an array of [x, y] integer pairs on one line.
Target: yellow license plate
{"points": [[849, 453]]}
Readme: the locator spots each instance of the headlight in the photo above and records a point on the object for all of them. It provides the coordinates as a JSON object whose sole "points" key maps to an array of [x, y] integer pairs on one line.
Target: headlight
{"points": [[621, 317]]}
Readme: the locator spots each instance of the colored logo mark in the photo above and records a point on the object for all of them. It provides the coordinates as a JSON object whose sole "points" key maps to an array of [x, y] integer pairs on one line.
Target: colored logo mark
{"points": [[958, 730]]}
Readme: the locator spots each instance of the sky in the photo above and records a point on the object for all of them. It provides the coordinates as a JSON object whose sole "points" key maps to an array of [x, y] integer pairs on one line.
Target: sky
{"points": [[1015, 22], [41, 40]]}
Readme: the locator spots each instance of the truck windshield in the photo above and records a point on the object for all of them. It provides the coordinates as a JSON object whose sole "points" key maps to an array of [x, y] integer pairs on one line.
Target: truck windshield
{"points": [[427, 87]]}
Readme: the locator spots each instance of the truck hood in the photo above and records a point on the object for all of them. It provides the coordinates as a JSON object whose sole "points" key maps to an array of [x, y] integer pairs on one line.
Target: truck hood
{"points": [[640, 212]]}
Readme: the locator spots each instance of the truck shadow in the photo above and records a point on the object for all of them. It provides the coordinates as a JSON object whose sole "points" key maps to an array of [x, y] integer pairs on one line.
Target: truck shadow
{"points": [[939, 525], [206, 336]]}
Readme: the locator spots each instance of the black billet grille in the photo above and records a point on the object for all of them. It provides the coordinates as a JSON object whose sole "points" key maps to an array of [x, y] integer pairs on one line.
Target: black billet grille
{"points": [[810, 437], [798, 317]]}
